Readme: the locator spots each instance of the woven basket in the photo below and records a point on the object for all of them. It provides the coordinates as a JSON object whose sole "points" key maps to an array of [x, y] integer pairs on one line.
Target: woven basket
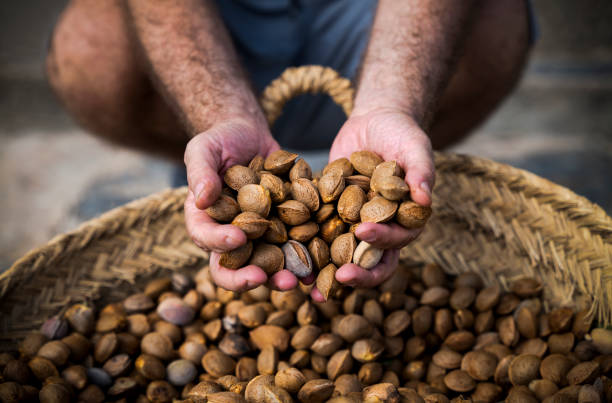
{"points": [[489, 218]]}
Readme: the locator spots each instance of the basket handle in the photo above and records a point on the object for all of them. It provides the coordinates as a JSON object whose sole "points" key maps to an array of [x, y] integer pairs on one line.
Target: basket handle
{"points": [[306, 79]]}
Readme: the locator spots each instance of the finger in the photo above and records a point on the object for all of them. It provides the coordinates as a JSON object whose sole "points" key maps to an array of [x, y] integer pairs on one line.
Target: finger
{"points": [[386, 236], [242, 279], [355, 276], [417, 161], [283, 280], [208, 234], [203, 166], [316, 295]]}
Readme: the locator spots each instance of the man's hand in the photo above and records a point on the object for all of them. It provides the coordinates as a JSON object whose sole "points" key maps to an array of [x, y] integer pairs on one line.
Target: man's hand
{"points": [[394, 136], [207, 156]]}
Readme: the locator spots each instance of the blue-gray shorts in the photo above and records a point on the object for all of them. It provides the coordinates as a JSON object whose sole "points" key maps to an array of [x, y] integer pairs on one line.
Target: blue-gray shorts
{"points": [[271, 35]]}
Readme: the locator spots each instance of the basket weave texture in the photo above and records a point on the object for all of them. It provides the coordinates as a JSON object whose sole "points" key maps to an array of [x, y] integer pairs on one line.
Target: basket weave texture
{"points": [[489, 218]]}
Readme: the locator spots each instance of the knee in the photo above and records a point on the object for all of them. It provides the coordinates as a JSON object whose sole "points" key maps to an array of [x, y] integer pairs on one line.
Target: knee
{"points": [[498, 44], [87, 65]]}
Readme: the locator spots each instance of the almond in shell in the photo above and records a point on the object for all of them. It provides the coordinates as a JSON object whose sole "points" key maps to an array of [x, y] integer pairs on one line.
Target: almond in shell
{"points": [[350, 203], [378, 210]]}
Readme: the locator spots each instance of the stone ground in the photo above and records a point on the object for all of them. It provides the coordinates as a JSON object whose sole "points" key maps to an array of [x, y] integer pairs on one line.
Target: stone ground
{"points": [[558, 124]]}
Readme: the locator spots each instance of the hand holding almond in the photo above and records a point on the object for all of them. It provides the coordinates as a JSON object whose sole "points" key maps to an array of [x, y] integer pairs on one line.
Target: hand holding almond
{"points": [[223, 151], [295, 223]]}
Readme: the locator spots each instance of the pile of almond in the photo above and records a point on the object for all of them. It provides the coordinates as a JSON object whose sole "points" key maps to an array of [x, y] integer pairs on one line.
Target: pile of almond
{"points": [[306, 224], [421, 336]]}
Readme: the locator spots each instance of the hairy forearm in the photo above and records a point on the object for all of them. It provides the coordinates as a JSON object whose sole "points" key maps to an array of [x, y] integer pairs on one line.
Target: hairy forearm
{"points": [[412, 49], [193, 62]]}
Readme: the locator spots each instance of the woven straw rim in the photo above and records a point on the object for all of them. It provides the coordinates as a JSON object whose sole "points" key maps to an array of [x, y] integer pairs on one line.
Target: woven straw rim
{"points": [[589, 223]]}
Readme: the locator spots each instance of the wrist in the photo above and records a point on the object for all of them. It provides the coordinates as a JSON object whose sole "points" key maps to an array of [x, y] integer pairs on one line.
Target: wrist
{"points": [[388, 101], [235, 107]]}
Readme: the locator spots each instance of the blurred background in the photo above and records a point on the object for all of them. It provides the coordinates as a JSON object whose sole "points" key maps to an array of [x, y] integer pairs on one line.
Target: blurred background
{"points": [[53, 176]]}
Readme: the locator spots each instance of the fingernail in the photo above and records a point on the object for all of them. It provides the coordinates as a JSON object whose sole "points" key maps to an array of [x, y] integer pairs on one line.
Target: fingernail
{"points": [[425, 188], [198, 190], [231, 242]]}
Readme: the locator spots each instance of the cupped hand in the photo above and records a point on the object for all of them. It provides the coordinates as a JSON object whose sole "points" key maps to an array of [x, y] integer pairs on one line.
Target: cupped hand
{"points": [[207, 156], [394, 136]]}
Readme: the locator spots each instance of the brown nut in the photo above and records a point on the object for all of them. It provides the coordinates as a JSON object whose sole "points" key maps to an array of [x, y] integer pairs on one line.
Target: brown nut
{"points": [[358, 180], [253, 225], [269, 257], [300, 169], [267, 360], [326, 281], [364, 162], [236, 258], [353, 327], [480, 365], [42, 368], [257, 164], [305, 192], [325, 212], [280, 162], [276, 232], [217, 363], [367, 255], [385, 169], [316, 390], [602, 340], [350, 202], [297, 259], [331, 186], [274, 185], [585, 372], [255, 198], [319, 252], [378, 210], [342, 165], [342, 249], [81, 318], [331, 229], [304, 232], [459, 381], [366, 350], [527, 287], [270, 335], [238, 176], [411, 215], [256, 388], [56, 351], [290, 379], [339, 363], [223, 210], [523, 369], [392, 187], [293, 212], [158, 345], [396, 323]]}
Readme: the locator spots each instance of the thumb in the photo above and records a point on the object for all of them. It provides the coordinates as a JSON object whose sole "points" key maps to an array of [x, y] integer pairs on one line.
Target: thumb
{"points": [[418, 163], [202, 164]]}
